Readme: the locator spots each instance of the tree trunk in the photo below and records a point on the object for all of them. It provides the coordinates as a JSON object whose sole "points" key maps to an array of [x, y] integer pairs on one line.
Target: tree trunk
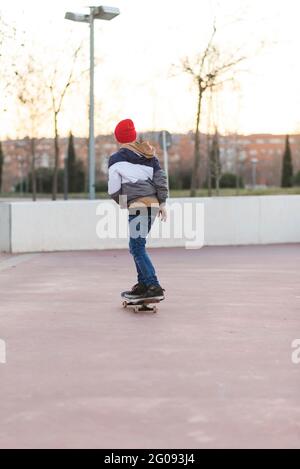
{"points": [[195, 175], [66, 177], [56, 159], [33, 173], [218, 185], [237, 182], [209, 192], [217, 171], [1, 170], [27, 174]]}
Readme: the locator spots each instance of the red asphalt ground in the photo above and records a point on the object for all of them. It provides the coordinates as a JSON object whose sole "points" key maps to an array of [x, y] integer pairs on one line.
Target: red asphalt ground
{"points": [[212, 369]]}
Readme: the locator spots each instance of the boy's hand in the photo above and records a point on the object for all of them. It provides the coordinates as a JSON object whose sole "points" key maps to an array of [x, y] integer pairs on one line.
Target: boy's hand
{"points": [[162, 212]]}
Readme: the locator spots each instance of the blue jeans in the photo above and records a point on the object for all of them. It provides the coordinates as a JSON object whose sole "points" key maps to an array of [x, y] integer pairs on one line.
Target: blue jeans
{"points": [[140, 224]]}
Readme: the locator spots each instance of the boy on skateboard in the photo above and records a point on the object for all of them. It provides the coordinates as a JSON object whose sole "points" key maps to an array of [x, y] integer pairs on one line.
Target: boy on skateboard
{"points": [[135, 173]]}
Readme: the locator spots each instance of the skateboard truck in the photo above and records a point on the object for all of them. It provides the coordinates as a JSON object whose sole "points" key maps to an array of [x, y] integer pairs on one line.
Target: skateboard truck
{"points": [[142, 306]]}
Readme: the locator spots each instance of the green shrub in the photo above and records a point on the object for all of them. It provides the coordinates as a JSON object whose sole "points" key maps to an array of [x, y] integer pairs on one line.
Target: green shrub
{"points": [[101, 186], [229, 180], [179, 180], [44, 177], [296, 179]]}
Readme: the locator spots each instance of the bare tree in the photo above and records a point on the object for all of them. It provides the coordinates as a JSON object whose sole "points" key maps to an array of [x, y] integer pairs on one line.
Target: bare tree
{"points": [[57, 97], [209, 71], [31, 95]]}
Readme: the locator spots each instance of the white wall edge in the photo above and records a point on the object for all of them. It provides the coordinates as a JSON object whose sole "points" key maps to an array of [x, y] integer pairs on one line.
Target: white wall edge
{"points": [[71, 225]]}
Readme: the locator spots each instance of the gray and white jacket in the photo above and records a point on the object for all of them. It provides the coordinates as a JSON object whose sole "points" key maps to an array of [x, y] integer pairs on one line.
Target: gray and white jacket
{"points": [[136, 176]]}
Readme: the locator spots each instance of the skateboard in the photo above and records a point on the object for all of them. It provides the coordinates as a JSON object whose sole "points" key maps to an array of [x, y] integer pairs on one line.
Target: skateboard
{"points": [[142, 305]]}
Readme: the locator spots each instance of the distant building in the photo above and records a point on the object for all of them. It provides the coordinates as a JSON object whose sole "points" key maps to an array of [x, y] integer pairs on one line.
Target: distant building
{"points": [[236, 153]]}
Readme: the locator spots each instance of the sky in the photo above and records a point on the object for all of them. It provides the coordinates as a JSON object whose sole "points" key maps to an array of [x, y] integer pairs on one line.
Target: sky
{"points": [[139, 54]]}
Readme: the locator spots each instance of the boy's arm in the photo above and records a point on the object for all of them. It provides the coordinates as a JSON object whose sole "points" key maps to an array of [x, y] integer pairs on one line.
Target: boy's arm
{"points": [[160, 182], [114, 183]]}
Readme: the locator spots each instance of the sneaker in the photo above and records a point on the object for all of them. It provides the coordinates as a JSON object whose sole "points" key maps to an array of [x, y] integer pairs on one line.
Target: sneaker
{"points": [[154, 292], [137, 290]]}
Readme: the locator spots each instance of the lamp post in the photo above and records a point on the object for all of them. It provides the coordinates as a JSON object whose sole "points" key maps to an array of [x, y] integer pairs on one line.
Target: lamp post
{"points": [[98, 13]]}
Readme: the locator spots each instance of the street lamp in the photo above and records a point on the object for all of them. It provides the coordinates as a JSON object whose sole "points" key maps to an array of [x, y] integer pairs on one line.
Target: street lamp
{"points": [[98, 13]]}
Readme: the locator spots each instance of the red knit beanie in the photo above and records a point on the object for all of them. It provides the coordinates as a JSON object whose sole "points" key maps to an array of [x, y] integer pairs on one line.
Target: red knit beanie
{"points": [[125, 131]]}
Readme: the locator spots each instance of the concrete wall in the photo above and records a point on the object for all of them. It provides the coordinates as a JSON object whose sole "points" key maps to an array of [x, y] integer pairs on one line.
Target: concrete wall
{"points": [[252, 220], [73, 225], [5, 228]]}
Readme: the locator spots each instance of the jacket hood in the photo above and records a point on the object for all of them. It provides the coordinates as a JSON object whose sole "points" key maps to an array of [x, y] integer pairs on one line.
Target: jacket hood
{"points": [[142, 148]]}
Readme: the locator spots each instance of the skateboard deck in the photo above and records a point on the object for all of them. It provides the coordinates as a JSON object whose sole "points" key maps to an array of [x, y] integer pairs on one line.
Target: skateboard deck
{"points": [[143, 305]]}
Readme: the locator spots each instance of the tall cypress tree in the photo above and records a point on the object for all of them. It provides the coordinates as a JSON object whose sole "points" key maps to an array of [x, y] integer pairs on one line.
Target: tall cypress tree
{"points": [[287, 165], [1, 166], [72, 183]]}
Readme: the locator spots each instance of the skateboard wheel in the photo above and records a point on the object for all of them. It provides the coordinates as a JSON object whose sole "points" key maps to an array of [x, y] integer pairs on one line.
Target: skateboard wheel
{"points": [[124, 304], [136, 309], [154, 309]]}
